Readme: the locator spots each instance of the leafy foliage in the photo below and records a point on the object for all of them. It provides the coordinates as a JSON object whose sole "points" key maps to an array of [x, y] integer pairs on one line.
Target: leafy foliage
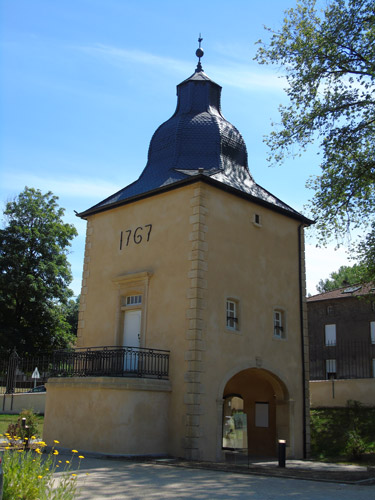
{"points": [[329, 60], [345, 276], [347, 433], [34, 274], [71, 310], [16, 429]]}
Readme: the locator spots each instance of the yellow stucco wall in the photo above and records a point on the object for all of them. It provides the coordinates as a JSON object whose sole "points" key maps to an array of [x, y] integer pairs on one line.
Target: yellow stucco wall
{"points": [[108, 415], [203, 249], [330, 393], [164, 255], [258, 266]]}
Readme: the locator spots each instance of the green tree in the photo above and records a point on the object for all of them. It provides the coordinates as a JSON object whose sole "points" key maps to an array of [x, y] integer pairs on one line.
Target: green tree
{"points": [[34, 274], [329, 59], [71, 310], [345, 276]]}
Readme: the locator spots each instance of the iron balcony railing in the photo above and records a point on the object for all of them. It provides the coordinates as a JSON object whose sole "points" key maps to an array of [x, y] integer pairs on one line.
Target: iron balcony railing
{"points": [[111, 361], [108, 361]]}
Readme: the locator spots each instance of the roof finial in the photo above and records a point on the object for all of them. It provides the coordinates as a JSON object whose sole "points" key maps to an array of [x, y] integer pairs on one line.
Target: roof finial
{"points": [[199, 53]]}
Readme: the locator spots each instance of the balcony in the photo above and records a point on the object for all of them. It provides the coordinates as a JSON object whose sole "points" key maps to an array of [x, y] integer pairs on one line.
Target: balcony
{"points": [[107, 361]]}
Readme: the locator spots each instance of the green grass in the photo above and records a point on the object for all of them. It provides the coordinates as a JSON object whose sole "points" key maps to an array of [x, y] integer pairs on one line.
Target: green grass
{"points": [[6, 419]]}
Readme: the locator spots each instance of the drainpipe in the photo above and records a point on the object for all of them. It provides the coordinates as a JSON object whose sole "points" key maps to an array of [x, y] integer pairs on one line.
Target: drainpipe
{"points": [[300, 228]]}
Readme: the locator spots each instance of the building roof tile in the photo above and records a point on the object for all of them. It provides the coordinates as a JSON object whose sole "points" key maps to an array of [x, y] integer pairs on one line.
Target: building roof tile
{"points": [[344, 292]]}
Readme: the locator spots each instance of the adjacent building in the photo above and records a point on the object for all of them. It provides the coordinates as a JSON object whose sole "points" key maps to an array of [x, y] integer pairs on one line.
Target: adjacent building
{"points": [[342, 345]]}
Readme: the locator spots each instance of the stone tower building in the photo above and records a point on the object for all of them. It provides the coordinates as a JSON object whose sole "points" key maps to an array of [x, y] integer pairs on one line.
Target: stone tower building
{"points": [[196, 260]]}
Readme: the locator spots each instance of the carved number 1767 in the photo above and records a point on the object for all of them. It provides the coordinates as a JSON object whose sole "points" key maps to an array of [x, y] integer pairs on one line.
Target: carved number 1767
{"points": [[138, 235]]}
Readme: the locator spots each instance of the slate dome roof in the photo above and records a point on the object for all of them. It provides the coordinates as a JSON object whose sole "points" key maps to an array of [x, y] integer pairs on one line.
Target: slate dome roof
{"points": [[197, 135]]}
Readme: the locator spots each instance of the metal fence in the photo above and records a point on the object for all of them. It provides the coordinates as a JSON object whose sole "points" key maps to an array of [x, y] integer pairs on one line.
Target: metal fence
{"points": [[344, 360], [16, 372]]}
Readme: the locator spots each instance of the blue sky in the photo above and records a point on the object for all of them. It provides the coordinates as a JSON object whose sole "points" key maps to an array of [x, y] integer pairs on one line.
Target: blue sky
{"points": [[85, 83]]}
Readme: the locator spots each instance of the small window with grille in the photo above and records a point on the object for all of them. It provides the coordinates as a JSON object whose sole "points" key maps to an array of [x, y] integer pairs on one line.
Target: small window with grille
{"points": [[278, 324], [134, 300], [257, 220], [232, 315], [330, 369]]}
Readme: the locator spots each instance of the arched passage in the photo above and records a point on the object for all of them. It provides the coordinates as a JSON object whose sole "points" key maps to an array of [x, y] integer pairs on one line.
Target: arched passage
{"points": [[255, 412]]}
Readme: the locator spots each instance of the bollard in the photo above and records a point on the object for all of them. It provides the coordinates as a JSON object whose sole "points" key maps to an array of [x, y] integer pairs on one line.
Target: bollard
{"points": [[282, 450], [26, 439]]}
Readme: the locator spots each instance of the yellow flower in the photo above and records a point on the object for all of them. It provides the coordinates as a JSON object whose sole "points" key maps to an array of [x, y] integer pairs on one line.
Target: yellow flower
{"points": [[81, 456], [57, 466], [40, 477], [38, 450], [7, 447], [59, 461], [67, 462], [74, 475], [19, 451], [74, 451], [55, 441], [55, 452], [33, 437]]}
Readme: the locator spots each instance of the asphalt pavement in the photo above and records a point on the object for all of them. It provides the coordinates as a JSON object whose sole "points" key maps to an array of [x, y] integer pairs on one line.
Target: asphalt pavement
{"points": [[103, 479]]}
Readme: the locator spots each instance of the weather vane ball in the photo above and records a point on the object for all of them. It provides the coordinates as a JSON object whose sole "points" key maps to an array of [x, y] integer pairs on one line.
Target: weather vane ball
{"points": [[199, 53]]}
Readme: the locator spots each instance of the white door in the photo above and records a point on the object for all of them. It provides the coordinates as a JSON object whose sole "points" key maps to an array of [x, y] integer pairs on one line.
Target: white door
{"points": [[132, 338]]}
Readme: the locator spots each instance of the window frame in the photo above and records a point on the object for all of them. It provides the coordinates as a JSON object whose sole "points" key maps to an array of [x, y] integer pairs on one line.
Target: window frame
{"points": [[372, 332], [257, 219], [328, 333], [331, 362], [235, 318], [137, 302], [279, 323], [331, 310]]}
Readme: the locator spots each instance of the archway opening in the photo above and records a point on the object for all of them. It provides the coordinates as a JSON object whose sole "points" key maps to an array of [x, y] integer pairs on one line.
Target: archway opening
{"points": [[255, 413]]}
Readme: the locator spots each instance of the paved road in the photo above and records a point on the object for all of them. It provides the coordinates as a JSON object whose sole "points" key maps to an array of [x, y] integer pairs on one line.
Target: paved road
{"points": [[112, 479]]}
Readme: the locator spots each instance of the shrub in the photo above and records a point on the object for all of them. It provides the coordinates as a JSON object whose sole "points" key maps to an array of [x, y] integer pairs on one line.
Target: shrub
{"points": [[355, 445], [17, 430], [343, 433]]}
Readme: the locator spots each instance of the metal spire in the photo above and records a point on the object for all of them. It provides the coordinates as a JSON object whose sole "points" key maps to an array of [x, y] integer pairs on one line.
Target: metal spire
{"points": [[199, 53]]}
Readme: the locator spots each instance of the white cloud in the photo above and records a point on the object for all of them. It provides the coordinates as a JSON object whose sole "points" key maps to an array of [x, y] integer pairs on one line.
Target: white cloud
{"points": [[243, 77], [120, 56], [321, 262], [247, 76], [73, 187]]}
